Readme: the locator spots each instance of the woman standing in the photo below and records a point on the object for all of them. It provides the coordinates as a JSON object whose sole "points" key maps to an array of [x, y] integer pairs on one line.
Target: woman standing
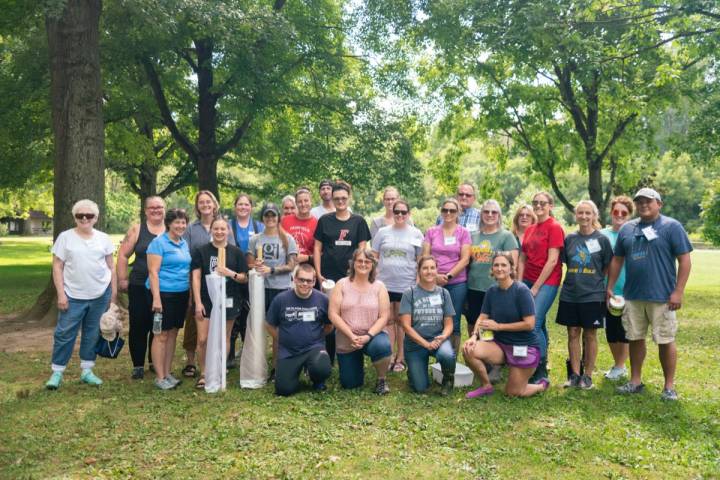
{"points": [[397, 248], [621, 209], [587, 254], [168, 258], [426, 314], [135, 243], [358, 309], [390, 196], [449, 243], [508, 312], [289, 208], [540, 268], [523, 218], [85, 285], [205, 262]]}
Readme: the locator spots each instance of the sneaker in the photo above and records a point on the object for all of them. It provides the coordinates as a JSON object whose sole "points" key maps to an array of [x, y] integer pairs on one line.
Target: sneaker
{"points": [[616, 373], [545, 383], [87, 376], [173, 381], [271, 376], [381, 387], [138, 373], [586, 382], [572, 382], [54, 382], [669, 394], [319, 387], [630, 388], [494, 373], [540, 373], [232, 363], [447, 384], [164, 384], [480, 392]]}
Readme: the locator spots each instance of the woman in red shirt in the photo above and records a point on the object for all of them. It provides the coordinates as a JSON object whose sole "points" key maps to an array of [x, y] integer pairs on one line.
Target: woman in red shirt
{"points": [[541, 270]]}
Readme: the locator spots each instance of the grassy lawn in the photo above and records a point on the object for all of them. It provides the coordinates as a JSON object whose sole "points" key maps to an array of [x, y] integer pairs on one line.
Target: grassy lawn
{"points": [[128, 429]]}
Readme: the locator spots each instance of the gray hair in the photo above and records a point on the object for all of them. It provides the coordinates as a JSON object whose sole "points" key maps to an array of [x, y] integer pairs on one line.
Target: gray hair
{"points": [[86, 204], [287, 198], [492, 203]]}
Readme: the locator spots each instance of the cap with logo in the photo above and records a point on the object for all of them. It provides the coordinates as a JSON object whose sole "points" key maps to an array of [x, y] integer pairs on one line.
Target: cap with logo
{"points": [[269, 207], [647, 193]]}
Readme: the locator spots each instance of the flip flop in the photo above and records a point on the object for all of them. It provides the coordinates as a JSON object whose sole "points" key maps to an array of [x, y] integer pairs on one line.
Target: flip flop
{"points": [[399, 367], [189, 371], [200, 384]]}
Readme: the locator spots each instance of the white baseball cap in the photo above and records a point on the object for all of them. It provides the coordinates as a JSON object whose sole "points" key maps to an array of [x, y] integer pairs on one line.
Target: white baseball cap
{"points": [[647, 193]]}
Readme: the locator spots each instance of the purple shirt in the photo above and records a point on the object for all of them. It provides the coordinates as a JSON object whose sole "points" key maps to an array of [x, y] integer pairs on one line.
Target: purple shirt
{"points": [[446, 250]]}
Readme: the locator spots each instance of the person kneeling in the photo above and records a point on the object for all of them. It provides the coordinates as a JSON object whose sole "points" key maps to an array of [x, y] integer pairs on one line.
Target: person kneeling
{"points": [[298, 322], [426, 315], [508, 311]]}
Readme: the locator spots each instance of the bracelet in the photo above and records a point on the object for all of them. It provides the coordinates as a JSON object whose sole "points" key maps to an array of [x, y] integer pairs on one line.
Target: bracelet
{"points": [[272, 270], [370, 335], [235, 276]]}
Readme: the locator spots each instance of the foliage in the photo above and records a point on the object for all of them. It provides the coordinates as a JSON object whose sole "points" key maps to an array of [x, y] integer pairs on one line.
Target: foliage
{"points": [[711, 213], [35, 194]]}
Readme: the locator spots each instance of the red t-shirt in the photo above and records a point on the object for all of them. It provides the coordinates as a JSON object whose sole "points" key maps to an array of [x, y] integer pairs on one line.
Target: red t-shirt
{"points": [[302, 230], [538, 239]]}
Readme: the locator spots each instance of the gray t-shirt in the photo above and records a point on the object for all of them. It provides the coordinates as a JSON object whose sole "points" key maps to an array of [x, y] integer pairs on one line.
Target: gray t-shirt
{"points": [[196, 236], [398, 248], [274, 255], [483, 247], [586, 257], [427, 309]]}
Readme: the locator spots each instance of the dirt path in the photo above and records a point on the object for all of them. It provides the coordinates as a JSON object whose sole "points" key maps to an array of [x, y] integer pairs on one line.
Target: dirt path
{"points": [[24, 335]]}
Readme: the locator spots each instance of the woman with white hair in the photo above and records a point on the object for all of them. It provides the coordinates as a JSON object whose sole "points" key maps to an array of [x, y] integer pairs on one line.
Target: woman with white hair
{"points": [[289, 207], [85, 284], [587, 254]]}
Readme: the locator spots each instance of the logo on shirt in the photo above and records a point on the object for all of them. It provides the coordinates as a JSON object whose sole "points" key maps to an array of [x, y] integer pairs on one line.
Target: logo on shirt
{"points": [[343, 233], [271, 251], [582, 261], [482, 253]]}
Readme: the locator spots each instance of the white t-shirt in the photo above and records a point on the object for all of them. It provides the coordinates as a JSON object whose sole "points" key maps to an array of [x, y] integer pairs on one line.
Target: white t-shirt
{"points": [[398, 247], [86, 274], [319, 211]]}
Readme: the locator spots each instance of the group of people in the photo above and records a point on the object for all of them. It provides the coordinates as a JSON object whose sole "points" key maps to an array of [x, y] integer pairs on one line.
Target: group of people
{"points": [[395, 294]]}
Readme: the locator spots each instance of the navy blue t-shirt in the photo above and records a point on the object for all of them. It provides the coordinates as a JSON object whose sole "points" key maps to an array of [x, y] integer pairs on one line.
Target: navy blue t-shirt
{"points": [[510, 306], [299, 321], [650, 272]]}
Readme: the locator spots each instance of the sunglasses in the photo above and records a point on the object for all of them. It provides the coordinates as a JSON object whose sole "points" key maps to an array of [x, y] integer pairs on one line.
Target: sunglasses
{"points": [[619, 213], [447, 210], [87, 216], [400, 212], [306, 281], [539, 203], [490, 212]]}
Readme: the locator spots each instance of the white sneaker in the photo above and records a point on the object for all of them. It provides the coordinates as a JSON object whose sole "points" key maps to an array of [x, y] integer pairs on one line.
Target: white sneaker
{"points": [[616, 373]]}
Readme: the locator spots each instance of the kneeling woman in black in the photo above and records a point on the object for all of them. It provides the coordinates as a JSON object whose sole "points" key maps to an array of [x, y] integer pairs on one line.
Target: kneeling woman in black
{"points": [[508, 311]]}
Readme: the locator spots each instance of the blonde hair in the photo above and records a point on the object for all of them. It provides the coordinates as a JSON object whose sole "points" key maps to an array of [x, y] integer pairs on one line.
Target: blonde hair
{"points": [[516, 217], [367, 253], [596, 222], [216, 208]]}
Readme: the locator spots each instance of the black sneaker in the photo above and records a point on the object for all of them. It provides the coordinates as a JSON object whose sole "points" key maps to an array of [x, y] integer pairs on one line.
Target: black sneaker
{"points": [[138, 373], [381, 387], [447, 384], [573, 381], [271, 377], [319, 387], [586, 382], [540, 372]]}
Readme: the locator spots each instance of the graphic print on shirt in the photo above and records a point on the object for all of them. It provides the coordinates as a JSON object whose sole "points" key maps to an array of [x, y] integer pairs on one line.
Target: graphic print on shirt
{"points": [[639, 248], [213, 263], [301, 314], [271, 251], [482, 253], [581, 262], [343, 233], [428, 311]]}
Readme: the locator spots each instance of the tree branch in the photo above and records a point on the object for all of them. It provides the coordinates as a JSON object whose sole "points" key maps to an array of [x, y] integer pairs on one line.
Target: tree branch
{"points": [[569, 100], [237, 136], [184, 54], [611, 182], [617, 133]]}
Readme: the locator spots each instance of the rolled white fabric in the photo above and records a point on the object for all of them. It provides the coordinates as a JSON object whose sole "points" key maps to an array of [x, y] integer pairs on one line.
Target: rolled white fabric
{"points": [[215, 354], [253, 362]]}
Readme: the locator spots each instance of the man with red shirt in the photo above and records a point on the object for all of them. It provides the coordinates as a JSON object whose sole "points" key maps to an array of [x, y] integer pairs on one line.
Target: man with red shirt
{"points": [[302, 225]]}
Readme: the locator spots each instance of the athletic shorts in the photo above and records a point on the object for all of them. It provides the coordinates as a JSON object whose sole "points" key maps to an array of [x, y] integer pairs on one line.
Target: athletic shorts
{"points": [[585, 315], [474, 301], [530, 361], [639, 315], [174, 306], [614, 331], [395, 296]]}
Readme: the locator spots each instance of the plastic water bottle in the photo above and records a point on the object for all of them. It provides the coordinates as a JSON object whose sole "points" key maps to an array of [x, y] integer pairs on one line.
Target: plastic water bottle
{"points": [[157, 323]]}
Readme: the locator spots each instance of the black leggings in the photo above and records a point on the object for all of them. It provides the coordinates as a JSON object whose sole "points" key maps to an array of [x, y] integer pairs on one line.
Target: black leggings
{"points": [[141, 317], [287, 374]]}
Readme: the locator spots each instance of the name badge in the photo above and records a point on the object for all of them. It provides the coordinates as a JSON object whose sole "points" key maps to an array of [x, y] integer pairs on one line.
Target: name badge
{"points": [[308, 316], [450, 240], [593, 245], [343, 243], [649, 233], [229, 302], [435, 300], [519, 350]]}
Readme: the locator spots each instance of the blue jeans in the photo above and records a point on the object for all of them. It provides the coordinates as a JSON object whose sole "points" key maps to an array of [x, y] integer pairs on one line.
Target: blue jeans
{"points": [[417, 359], [543, 301], [352, 372], [458, 292], [80, 313]]}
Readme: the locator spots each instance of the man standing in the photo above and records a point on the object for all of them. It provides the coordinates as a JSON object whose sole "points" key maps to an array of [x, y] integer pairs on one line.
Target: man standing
{"points": [[469, 216], [298, 322], [337, 236], [302, 226], [649, 247], [326, 205]]}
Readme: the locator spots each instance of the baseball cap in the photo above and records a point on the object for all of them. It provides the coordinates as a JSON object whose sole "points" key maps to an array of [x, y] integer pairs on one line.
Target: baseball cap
{"points": [[269, 207], [647, 193]]}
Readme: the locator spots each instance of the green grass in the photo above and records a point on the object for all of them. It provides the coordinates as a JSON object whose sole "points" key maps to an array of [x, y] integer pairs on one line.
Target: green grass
{"points": [[127, 429]]}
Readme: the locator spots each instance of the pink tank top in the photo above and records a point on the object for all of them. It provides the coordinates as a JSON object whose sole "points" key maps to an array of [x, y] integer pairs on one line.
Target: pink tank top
{"points": [[360, 310]]}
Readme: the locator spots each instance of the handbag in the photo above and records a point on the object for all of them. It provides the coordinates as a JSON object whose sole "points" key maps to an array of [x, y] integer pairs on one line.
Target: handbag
{"points": [[109, 348]]}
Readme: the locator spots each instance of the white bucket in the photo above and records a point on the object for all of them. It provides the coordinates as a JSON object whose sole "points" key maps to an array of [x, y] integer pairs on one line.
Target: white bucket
{"points": [[463, 375]]}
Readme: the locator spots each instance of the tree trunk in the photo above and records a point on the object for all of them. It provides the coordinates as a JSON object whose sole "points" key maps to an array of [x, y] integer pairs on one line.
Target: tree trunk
{"points": [[207, 119], [595, 186], [77, 122]]}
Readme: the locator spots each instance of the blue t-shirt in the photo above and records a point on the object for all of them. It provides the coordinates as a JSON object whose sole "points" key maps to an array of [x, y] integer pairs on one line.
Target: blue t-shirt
{"points": [[175, 267], [242, 235], [510, 306], [612, 235], [650, 264], [299, 321]]}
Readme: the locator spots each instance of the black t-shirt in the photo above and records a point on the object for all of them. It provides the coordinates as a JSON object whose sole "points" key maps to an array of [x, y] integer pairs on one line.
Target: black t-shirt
{"points": [[205, 258], [299, 321], [340, 239], [510, 306]]}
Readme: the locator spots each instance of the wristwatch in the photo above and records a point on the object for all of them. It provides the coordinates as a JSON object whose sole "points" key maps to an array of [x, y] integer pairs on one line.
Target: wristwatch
{"points": [[449, 276], [272, 270]]}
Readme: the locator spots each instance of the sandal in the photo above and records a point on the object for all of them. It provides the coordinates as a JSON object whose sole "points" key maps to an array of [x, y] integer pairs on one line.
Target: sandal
{"points": [[391, 365], [399, 367], [200, 384], [189, 371]]}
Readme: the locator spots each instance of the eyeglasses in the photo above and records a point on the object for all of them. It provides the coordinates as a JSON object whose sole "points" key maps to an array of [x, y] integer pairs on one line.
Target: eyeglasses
{"points": [[400, 212], [87, 216], [619, 213], [467, 195], [540, 203], [363, 261], [306, 281], [340, 199], [445, 211], [490, 212], [155, 208], [525, 215]]}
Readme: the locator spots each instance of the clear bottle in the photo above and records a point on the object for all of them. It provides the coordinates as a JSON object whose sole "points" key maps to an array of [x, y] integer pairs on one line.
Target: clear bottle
{"points": [[486, 335], [157, 323]]}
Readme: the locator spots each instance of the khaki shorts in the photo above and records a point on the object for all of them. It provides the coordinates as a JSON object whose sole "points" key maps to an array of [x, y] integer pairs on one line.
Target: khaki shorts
{"points": [[638, 315]]}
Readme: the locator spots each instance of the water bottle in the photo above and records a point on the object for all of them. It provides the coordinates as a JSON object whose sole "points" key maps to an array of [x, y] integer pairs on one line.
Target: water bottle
{"points": [[157, 323]]}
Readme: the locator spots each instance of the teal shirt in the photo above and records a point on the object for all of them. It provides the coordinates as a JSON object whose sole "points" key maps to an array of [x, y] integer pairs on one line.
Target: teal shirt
{"points": [[612, 235], [482, 249]]}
